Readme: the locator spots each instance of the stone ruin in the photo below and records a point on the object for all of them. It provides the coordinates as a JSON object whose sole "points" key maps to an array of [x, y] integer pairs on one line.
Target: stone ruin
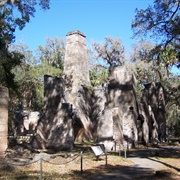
{"points": [[54, 130], [25, 122], [118, 121], [152, 121], [4, 98], [74, 111]]}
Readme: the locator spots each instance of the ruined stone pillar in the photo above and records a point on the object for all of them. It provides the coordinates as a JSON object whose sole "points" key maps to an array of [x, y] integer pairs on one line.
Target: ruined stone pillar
{"points": [[153, 99], [121, 95], [54, 130], [105, 129], [4, 97], [75, 64]]}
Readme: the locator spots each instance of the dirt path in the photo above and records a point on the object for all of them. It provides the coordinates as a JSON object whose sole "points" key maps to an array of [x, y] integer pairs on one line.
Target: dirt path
{"points": [[143, 165]]}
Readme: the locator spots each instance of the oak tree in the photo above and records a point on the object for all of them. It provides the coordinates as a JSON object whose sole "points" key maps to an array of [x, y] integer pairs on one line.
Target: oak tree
{"points": [[161, 22], [111, 52]]}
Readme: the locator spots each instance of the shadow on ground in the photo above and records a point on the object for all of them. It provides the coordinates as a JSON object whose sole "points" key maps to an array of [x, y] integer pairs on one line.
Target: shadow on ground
{"points": [[111, 172]]}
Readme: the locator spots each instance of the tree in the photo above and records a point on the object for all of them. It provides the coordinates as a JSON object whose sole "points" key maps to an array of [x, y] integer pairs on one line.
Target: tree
{"points": [[53, 52], [98, 78], [172, 105], [98, 73], [8, 60], [10, 19], [151, 62], [112, 52], [29, 75], [146, 66], [160, 22], [27, 78], [142, 51], [13, 14]]}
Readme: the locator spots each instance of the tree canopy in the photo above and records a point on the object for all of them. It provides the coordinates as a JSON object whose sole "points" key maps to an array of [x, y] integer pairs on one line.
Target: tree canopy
{"points": [[29, 75], [112, 52], [53, 52], [14, 14], [161, 22]]}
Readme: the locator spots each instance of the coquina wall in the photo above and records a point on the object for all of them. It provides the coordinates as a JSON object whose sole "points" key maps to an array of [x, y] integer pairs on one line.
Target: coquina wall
{"points": [[4, 97]]}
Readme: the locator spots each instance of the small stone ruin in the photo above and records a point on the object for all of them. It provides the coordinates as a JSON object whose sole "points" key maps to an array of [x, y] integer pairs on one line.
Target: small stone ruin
{"points": [[25, 122]]}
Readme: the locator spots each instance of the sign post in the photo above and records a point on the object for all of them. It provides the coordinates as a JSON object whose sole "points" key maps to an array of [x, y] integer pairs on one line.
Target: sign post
{"points": [[81, 161], [40, 168]]}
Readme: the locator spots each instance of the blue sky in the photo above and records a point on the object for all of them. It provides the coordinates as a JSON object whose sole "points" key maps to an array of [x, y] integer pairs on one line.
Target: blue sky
{"points": [[97, 19]]}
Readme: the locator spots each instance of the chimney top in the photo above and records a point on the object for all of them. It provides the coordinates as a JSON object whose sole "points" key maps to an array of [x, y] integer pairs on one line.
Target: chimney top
{"points": [[75, 32]]}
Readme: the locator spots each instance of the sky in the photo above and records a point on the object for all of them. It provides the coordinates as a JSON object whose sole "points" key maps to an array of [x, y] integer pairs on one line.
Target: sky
{"points": [[97, 19]]}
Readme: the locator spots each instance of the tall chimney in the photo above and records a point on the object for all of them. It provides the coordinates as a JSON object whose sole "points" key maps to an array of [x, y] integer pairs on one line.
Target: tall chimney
{"points": [[76, 62]]}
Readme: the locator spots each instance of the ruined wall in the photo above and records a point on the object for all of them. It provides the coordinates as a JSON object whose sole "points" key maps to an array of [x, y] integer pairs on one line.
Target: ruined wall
{"points": [[118, 120], [153, 111], [4, 98], [54, 129], [143, 123], [85, 103], [105, 129], [109, 123], [117, 127], [122, 95]]}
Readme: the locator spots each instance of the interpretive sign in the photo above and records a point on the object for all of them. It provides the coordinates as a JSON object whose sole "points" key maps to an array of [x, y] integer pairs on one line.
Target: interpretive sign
{"points": [[97, 150]]}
